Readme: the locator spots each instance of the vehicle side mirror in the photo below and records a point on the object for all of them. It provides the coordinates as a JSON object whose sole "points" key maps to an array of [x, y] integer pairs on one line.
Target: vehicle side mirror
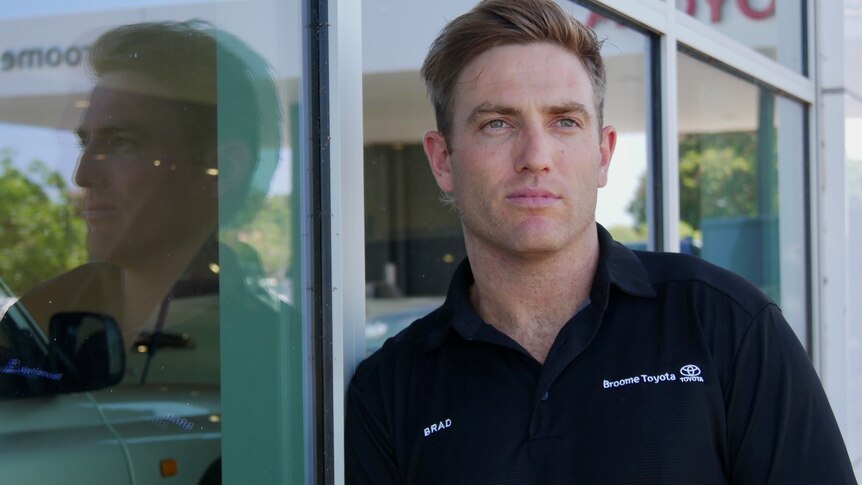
{"points": [[90, 347]]}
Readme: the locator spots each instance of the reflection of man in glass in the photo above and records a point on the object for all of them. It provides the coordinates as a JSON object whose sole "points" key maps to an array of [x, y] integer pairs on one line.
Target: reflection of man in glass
{"points": [[559, 355], [149, 162], [163, 159], [183, 124]]}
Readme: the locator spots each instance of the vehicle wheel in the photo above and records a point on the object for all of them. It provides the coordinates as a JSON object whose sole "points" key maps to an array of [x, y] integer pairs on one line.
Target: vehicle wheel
{"points": [[213, 474]]}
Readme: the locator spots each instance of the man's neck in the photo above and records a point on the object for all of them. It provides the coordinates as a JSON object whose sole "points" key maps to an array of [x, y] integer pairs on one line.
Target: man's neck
{"points": [[531, 297], [146, 283]]}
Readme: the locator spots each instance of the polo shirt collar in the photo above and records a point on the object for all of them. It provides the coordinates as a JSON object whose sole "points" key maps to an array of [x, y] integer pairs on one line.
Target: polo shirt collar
{"points": [[618, 266]]}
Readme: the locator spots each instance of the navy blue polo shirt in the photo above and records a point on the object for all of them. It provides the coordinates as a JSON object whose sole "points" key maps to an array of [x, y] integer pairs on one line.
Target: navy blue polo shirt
{"points": [[676, 372]]}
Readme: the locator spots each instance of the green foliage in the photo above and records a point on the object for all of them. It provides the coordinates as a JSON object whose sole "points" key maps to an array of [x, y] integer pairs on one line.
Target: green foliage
{"points": [[40, 236], [270, 235], [718, 179], [629, 235], [638, 206], [718, 176]]}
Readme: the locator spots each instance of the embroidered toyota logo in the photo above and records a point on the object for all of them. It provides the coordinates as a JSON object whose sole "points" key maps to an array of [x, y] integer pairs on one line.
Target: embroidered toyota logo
{"points": [[689, 370]]}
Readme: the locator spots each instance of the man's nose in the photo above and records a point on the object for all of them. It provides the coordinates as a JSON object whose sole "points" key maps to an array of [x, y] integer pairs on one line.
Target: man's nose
{"points": [[534, 154], [90, 171]]}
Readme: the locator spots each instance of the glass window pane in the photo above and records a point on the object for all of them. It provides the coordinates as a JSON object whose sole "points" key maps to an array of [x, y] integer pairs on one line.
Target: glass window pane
{"points": [[622, 205], [773, 28], [148, 176], [414, 242], [742, 185]]}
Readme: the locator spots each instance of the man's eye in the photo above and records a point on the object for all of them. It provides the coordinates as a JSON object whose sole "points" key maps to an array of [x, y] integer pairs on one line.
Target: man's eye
{"points": [[568, 123], [496, 124], [121, 142], [117, 141]]}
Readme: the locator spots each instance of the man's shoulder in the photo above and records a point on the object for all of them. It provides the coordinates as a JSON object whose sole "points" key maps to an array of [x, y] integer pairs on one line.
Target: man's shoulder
{"points": [[404, 349], [91, 287], [674, 272]]}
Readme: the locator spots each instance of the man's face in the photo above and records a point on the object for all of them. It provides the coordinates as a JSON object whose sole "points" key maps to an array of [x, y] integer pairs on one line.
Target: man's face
{"points": [[146, 189], [525, 158]]}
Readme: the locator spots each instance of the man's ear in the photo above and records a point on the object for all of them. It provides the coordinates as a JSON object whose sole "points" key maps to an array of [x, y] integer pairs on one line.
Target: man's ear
{"points": [[606, 150], [437, 151]]}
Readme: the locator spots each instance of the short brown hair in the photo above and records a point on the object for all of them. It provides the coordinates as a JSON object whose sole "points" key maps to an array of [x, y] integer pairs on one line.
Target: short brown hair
{"points": [[224, 85], [494, 23]]}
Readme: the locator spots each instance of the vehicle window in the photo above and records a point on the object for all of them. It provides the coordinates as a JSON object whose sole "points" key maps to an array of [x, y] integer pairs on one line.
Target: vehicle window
{"points": [[11, 384], [23, 356]]}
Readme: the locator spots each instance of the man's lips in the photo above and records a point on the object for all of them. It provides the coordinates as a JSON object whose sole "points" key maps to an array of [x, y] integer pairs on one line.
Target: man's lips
{"points": [[96, 210], [533, 198]]}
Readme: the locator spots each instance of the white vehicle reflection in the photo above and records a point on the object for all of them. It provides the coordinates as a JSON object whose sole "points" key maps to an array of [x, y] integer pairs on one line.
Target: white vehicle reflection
{"points": [[70, 432]]}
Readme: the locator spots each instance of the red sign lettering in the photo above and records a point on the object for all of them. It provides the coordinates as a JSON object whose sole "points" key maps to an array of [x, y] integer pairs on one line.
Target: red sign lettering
{"points": [[690, 7], [716, 6], [715, 10], [749, 12]]}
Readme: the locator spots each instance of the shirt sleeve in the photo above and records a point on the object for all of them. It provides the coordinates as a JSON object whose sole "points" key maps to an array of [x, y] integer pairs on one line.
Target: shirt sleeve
{"points": [[369, 454], [781, 429]]}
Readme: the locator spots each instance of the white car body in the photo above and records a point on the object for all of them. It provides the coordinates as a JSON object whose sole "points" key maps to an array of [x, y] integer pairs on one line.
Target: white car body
{"points": [[119, 435]]}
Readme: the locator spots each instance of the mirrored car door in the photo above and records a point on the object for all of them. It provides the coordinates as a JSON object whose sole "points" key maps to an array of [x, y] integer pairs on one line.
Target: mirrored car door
{"points": [[47, 437]]}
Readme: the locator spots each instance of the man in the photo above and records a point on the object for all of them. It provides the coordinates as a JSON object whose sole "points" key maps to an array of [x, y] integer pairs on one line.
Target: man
{"points": [[560, 356], [163, 160]]}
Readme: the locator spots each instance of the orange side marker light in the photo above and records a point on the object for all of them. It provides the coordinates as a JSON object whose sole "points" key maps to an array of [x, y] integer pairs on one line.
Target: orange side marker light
{"points": [[168, 467]]}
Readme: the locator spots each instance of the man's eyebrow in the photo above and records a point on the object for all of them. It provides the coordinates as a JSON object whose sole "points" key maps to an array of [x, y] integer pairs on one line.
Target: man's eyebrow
{"points": [[490, 108], [576, 108], [554, 109], [82, 132]]}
